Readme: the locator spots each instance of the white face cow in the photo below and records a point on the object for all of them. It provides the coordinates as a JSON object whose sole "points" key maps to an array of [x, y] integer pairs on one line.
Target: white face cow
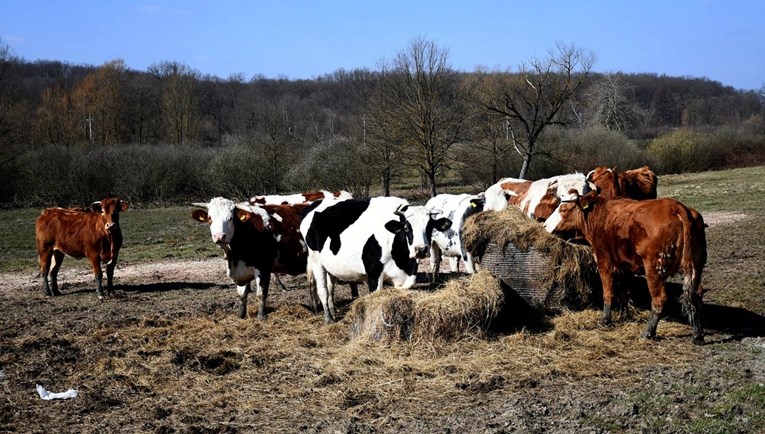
{"points": [[423, 224], [220, 215], [456, 208]]}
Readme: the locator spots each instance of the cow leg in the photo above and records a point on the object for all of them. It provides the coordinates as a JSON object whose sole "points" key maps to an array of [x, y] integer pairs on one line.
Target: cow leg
{"points": [[435, 261], [657, 288], [607, 280], [95, 264], [467, 258], [354, 290], [243, 291], [45, 263], [110, 266], [331, 284], [263, 281], [313, 299], [58, 258], [320, 274], [693, 303]]}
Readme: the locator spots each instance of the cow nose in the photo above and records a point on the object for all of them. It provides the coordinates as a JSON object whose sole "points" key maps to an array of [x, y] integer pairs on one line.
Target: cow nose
{"points": [[219, 238], [109, 226], [421, 252]]}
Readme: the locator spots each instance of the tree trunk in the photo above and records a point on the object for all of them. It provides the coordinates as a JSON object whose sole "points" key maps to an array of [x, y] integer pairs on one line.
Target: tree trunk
{"points": [[525, 167]]}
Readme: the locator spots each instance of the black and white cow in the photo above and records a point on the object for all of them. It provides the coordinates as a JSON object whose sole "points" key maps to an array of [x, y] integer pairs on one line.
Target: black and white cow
{"points": [[362, 241], [457, 208], [257, 241]]}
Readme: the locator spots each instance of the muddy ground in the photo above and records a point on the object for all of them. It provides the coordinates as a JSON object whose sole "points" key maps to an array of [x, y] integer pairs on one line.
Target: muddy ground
{"points": [[167, 354]]}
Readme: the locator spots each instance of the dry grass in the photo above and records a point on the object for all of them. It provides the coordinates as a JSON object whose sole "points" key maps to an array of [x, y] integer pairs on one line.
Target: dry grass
{"points": [[463, 307]]}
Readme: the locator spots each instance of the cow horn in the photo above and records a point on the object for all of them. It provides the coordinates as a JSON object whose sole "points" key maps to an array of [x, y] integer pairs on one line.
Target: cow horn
{"points": [[400, 210], [200, 205]]}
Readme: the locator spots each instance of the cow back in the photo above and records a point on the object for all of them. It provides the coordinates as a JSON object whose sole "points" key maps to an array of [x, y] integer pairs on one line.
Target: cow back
{"points": [[77, 233]]}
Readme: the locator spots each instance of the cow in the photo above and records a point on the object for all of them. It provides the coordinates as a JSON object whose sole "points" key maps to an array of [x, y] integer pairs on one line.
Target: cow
{"points": [[456, 208], [655, 238], [306, 197], [93, 233], [638, 184], [536, 199], [257, 241], [363, 240], [292, 199]]}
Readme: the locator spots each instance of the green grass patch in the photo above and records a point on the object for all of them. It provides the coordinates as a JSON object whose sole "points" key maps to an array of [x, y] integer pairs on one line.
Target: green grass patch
{"points": [[724, 190], [150, 234]]}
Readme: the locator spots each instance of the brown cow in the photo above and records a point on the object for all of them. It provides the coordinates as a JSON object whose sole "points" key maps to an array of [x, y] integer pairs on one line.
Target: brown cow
{"points": [[655, 238], [79, 233], [638, 184]]}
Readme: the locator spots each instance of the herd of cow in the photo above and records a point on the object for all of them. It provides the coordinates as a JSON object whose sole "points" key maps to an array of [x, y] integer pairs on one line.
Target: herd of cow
{"points": [[332, 237]]}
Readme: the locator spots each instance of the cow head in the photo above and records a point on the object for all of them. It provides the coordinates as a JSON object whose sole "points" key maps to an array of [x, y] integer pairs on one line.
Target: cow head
{"points": [[422, 223], [110, 209], [219, 214], [603, 180], [223, 215], [570, 216]]}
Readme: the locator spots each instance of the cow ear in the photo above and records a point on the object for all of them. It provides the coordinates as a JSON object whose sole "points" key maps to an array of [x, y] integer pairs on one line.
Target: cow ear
{"points": [[443, 224], [96, 207], [243, 215], [199, 215], [394, 226], [586, 202]]}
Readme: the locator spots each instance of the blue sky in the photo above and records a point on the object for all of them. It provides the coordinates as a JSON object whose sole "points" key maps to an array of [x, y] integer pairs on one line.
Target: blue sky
{"points": [[720, 40]]}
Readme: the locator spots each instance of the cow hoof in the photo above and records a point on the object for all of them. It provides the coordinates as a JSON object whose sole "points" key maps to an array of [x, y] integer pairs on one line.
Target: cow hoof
{"points": [[648, 336], [698, 340]]}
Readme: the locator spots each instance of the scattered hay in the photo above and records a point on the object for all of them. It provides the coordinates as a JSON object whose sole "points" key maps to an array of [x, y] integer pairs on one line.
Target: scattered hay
{"points": [[547, 272], [463, 307]]}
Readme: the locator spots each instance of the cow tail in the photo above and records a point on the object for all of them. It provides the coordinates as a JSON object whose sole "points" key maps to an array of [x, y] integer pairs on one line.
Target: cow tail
{"points": [[692, 267]]}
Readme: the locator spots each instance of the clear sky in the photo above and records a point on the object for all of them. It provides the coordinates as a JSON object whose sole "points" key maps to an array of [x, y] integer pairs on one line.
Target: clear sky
{"points": [[720, 40]]}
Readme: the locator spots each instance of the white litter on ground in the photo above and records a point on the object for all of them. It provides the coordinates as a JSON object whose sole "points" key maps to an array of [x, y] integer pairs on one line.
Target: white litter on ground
{"points": [[44, 394]]}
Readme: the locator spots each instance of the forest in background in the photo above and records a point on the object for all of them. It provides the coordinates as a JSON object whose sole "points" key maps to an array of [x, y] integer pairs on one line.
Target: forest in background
{"points": [[74, 133]]}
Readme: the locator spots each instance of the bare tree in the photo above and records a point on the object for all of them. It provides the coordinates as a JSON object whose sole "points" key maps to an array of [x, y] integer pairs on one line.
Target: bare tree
{"points": [[179, 101], [613, 105], [533, 98], [424, 106]]}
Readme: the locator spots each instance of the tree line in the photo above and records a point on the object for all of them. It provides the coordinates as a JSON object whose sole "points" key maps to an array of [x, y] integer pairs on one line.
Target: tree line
{"points": [[412, 118]]}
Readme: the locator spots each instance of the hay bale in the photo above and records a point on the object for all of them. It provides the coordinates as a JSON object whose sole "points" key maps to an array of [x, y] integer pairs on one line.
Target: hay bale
{"points": [[463, 307], [546, 272]]}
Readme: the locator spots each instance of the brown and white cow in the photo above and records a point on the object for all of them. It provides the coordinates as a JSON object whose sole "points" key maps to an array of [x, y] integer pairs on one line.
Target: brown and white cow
{"points": [[537, 199], [292, 199], [94, 234], [257, 241], [655, 238], [638, 184]]}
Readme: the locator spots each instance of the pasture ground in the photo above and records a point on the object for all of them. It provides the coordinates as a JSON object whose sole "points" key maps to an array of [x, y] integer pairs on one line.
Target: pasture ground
{"points": [[167, 354]]}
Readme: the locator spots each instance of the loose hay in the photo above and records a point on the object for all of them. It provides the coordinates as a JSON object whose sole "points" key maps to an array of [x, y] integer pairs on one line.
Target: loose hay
{"points": [[548, 273], [463, 307]]}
